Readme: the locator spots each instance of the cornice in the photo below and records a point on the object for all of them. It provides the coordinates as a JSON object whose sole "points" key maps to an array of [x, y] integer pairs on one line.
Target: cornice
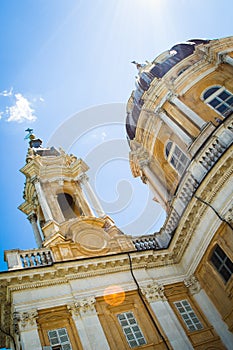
{"points": [[62, 272]]}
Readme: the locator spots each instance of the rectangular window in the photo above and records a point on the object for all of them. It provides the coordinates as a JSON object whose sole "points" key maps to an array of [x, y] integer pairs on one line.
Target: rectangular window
{"points": [[132, 332], [220, 99], [188, 315], [59, 339], [222, 263], [176, 157]]}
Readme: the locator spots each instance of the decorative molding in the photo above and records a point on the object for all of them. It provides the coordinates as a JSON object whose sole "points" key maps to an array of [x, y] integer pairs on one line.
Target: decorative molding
{"points": [[192, 284], [85, 305], [139, 158], [82, 178], [25, 321], [154, 292]]}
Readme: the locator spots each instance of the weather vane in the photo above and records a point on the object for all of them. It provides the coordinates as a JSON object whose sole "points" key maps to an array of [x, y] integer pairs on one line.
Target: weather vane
{"points": [[30, 131]]}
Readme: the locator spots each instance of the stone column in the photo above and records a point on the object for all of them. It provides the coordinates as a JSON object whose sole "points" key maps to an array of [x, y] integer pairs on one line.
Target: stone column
{"points": [[154, 182], [26, 326], [88, 325], [228, 59], [33, 221], [177, 130], [139, 160], [200, 123], [93, 200], [43, 202], [171, 326], [209, 310]]}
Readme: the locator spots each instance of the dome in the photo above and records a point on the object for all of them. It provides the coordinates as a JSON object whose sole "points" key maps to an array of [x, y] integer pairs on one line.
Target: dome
{"points": [[176, 54]]}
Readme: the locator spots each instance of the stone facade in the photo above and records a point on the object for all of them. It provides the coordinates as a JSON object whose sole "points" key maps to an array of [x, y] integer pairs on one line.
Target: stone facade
{"points": [[89, 286]]}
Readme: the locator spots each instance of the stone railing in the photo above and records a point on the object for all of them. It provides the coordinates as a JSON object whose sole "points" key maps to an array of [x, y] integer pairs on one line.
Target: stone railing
{"points": [[145, 243], [20, 259]]}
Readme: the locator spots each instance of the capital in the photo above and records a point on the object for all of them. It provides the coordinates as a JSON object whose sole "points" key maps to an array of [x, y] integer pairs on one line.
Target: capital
{"points": [[82, 178], [154, 292], [25, 320], [32, 218], [192, 284], [82, 306]]}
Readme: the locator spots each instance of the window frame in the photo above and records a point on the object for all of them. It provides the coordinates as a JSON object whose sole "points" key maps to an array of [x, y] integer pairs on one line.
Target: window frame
{"points": [[215, 95], [179, 166], [188, 316], [222, 261], [130, 329], [60, 344], [54, 318]]}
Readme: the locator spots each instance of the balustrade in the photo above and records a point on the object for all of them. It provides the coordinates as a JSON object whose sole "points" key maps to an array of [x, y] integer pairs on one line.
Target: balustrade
{"points": [[20, 259], [146, 243], [37, 258]]}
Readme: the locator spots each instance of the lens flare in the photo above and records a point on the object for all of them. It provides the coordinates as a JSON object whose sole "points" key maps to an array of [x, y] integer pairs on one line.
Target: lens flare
{"points": [[114, 295]]}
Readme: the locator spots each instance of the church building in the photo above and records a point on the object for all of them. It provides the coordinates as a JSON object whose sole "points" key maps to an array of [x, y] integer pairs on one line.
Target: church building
{"points": [[89, 286]]}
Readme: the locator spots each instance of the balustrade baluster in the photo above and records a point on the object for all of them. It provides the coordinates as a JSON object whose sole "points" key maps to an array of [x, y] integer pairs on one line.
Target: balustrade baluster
{"points": [[36, 260], [25, 260], [48, 257], [43, 258]]}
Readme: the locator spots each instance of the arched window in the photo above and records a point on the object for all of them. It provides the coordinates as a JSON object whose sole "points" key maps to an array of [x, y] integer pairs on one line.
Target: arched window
{"points": [[219, 99], [176, 157], [67, 205]]}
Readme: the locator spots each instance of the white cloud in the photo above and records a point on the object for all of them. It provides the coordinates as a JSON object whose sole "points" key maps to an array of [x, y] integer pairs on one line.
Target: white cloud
{"points": [[6, 93], [21, 111]]}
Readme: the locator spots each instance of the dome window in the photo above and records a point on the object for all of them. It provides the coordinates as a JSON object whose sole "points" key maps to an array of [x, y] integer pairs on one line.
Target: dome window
{"points": [[176, 157], [220, 99]]}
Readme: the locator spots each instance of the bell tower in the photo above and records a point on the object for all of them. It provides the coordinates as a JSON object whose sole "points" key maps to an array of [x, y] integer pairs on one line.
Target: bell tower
{"points": [[64, 212]]}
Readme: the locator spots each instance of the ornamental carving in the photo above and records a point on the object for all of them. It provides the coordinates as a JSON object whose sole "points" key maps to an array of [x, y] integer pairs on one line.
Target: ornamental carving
{"points": [[192, 284], [82, 306], [25, 320], [154, 292], [139, 158]]}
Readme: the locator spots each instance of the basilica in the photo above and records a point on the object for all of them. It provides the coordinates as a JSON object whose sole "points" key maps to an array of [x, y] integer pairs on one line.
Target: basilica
{"points": [[89, 286]]}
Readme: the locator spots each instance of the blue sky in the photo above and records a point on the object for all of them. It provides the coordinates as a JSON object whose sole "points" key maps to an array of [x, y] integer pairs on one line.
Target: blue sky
{"points": [[60, 58]]}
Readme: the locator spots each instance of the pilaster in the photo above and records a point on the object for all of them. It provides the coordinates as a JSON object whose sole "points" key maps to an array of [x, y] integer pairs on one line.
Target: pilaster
{"points": [[25, 325], [178, 339], [210, 311], [88, 325]]}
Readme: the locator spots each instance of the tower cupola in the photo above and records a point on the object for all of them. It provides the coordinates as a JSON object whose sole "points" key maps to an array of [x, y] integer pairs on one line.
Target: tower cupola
{"points": [[62, 207]]}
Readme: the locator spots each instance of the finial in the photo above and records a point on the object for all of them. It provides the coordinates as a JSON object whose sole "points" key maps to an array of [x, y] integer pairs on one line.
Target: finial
{"points": [[138, 65]]}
